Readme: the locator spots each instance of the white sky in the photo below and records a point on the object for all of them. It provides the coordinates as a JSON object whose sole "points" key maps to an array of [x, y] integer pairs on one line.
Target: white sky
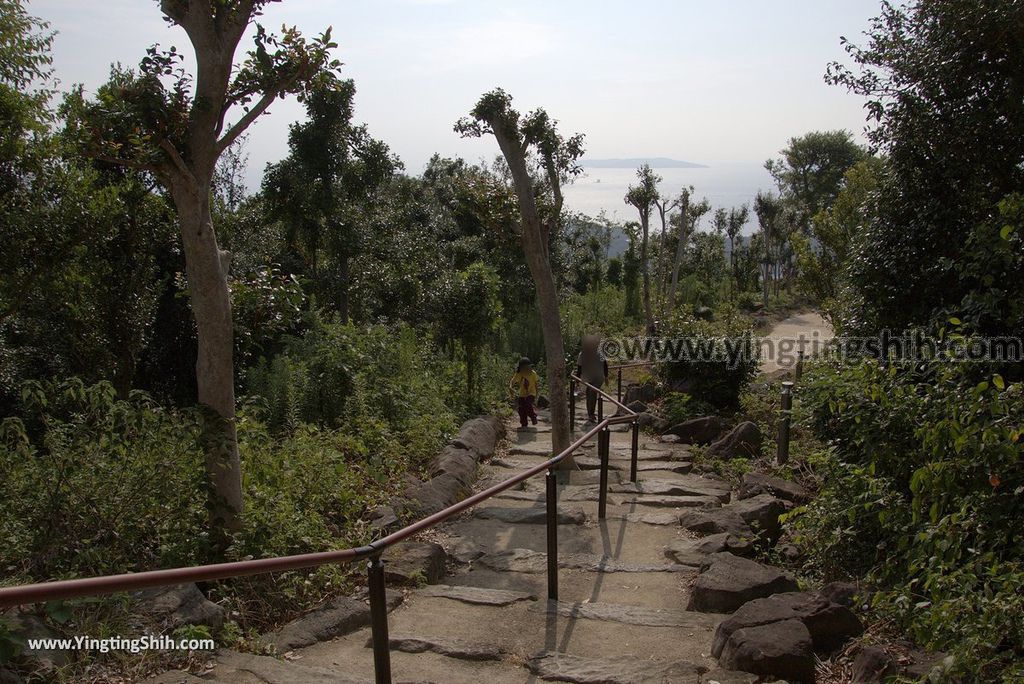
{"points": [[707, 81]]}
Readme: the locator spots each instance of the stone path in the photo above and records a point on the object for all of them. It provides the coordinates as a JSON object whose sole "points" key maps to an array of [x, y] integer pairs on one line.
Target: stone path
{"points": [[626, 585], [808, 331]]}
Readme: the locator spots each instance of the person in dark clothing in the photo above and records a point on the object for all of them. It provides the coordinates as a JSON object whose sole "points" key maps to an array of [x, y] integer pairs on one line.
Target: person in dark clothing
{"points": [[592, 367]]}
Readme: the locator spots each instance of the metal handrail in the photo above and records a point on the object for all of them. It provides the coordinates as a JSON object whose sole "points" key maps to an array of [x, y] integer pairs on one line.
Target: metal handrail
{"points": [[108, 584]]}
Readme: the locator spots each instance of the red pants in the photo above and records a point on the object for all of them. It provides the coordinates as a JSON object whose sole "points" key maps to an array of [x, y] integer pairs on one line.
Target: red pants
{"points": [[526, 410]]}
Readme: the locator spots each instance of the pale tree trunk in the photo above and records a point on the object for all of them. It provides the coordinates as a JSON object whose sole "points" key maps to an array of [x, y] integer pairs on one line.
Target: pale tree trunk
{"points": [[677, 264], [660, 275], [211, 305], [535, 249], [645, 220]]}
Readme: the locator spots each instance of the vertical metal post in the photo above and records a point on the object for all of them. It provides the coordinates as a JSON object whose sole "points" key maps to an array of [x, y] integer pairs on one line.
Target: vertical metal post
{"points": [[618, 389], [600, 406], [634, 448], [572, 404], [603, 440], [787, 405], [552, 511], [799, 370], [379, 621]]}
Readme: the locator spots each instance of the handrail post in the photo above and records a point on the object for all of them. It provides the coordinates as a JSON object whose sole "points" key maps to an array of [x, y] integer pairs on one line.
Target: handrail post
{"points": [[600, 406], [603, 439], [379, 621], [787, 405], [572, 404], [552, 520], [799, 370], [618, 390], [633, 451]]}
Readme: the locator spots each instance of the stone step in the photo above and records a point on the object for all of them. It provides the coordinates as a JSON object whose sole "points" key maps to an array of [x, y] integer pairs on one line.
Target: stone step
{"points": [[536, 562], [476, 595], [690, 485], [533, 515], [628, 614], [451, 648], [234, 667], [565, 667], [594, 463]]}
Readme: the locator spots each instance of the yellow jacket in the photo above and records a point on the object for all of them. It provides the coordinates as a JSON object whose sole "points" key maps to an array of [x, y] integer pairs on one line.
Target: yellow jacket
{"points": [[524, 383]]}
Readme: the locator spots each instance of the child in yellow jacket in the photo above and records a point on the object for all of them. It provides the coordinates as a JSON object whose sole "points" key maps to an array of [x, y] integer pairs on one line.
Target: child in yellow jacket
{"points": [[523, 386]]}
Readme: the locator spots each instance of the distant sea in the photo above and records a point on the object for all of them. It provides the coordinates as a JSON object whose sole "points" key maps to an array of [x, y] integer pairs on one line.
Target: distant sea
{"points": [[725, 185]]}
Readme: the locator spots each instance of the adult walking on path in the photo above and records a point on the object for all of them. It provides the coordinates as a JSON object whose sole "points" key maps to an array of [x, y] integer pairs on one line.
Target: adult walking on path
{"points": [[592, 367]]}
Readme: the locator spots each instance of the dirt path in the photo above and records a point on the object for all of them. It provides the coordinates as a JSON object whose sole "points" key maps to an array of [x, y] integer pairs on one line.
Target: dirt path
{"points": [[807, 331]]}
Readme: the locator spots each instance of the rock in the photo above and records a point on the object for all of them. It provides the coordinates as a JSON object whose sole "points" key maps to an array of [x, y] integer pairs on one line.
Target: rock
{"points": [[843, 593], [726, 582], [181, 604], [340, 616], [762, 513], [781, 649], [169, 677], [743, 441], [452, 648], [716, 521], [433, 496], [31, 626], [415, 563], [675, 501], [465, 552], [872, 665], [669, 439], [647, 392], [651, 518], [475, 595], [384, 518], [534, 515], [516, 560], [650, 421], [760, 483], [694, 552], [791, 553], [702, 430], [684, 486], [456, 461], [594, 463], [564, 667], [729, 677], [829, 624], [543, 402], [480, 435], [637, 406], [592, 563]]}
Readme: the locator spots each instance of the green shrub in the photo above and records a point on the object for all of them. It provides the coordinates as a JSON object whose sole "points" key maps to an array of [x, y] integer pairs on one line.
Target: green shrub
{"points": [[679, 406], [922, 491], [711, 360]]}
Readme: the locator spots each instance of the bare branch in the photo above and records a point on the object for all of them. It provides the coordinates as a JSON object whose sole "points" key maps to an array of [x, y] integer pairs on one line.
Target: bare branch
{"points": [[259, 108], [172, 153]]}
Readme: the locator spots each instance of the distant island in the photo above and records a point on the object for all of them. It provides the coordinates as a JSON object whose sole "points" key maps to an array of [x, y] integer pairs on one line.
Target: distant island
{"points": [[655, 163]]}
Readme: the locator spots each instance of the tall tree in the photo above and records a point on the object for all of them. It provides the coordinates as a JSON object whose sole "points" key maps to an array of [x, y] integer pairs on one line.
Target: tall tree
{"points": [[665, 206], [162, 122], [944, 89], [643, 196], [690, 214], [768, 208], [326, 187], [533, 142], [737, 219]]}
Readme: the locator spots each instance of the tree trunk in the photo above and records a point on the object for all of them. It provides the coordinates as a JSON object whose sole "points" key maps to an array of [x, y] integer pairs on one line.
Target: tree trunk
{"points": [[211, 305], [677, 264], [645, 269]]}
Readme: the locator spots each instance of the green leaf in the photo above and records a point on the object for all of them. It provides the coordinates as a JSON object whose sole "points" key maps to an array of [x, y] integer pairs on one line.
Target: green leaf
{"points": [[955, 321], [997, 380]]}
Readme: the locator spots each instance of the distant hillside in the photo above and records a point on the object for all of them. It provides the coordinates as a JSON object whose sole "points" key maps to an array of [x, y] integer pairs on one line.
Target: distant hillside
{"points": [[655, 162]]}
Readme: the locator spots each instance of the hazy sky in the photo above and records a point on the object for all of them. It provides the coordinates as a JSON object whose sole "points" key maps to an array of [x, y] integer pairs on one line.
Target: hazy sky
{"points": [[705, 81]]}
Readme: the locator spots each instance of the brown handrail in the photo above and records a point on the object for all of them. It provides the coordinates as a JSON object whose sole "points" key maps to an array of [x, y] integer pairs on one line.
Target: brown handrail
{"points": [[108, 584]]}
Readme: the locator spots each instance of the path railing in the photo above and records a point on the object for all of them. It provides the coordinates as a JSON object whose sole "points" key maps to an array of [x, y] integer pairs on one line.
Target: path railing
{"points": [[108, 584]]}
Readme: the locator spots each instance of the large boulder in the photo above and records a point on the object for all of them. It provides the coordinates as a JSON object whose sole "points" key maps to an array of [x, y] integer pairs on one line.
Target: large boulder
{"points": [[843, 593], [829, 624], [458, 462], [743, 441], [762, 514], [694, 552], [702, 430], [781, 649], [480, 436], [414, 563], [337, 617], [716, 521], [650, 421], [32, 626], [427, 498], [180, 604], [760, 483], [726, 582], [873, 665], [646, 392]]}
